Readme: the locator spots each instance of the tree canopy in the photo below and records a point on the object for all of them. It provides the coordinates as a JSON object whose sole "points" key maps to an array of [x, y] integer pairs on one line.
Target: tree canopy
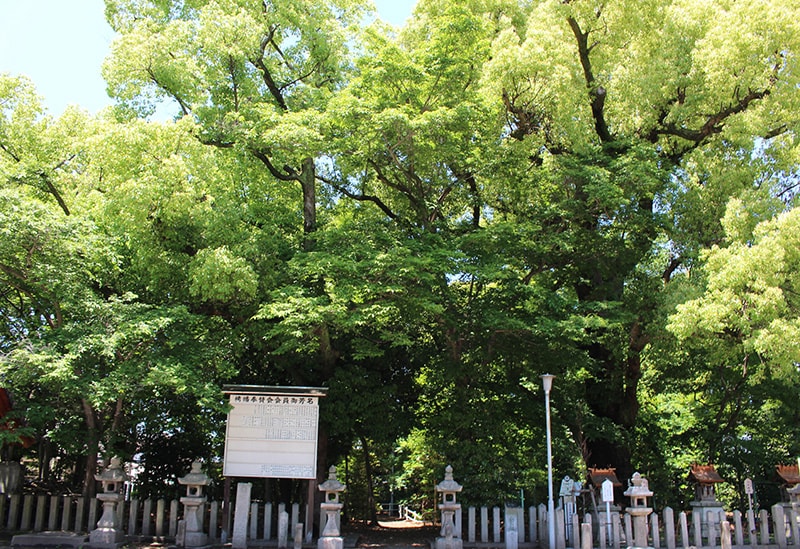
{"points": [[423, 219]]}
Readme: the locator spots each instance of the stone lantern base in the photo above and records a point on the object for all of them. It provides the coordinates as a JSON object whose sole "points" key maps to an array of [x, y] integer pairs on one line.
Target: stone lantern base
{"points": [[700, 515], [195, 539], [449, 543], [106, 538], [330, 542]]}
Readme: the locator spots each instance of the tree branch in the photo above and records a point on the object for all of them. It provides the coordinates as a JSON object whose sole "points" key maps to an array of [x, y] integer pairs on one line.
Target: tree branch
{"points": [[9, 152], [51, 188], [715, 122], [266, 76], [263, 156], [360, 197], [597, 93], [19, 281], [181, 103], [674, 263]]}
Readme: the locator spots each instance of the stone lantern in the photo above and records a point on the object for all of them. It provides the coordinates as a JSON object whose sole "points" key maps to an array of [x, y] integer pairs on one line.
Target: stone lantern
{"points": [[639, 490], [108, 532], [331, 537], [193, 535], [706, 509], [448, 488]]}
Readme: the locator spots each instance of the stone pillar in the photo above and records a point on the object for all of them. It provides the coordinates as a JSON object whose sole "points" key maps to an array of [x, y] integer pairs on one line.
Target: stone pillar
{"points": [[192, 504], [331, 507], [449, 538], [794, 501], [512, 529], [108, 532], [283, 529], [586, 536], [638, 490], [241, 515]]}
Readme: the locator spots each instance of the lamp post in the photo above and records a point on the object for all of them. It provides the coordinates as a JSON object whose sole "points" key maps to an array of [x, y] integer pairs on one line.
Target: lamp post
{"points": [[547, 383]]}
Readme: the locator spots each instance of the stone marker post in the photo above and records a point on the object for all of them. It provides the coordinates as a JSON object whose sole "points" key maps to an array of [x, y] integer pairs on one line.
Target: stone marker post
{"points": [[193, 535], [331, 509], [283, 529], [638, 490], [241, 515], [449, 538], [512, 528], [108, 532]]}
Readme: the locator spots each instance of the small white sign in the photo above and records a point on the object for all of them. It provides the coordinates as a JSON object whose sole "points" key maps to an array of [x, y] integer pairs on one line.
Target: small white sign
{"points": [[608, 491], [272, 435], [748, 486]]}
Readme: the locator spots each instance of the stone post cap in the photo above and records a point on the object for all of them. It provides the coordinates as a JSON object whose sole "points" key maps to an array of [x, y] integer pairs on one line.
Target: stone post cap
{"points": [[113, 473], [195, 477], [332, 484], [638, 487], [448, 484]]}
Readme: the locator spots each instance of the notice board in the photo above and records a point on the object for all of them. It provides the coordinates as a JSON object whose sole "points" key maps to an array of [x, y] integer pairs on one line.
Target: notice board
{"points": [[272, 432]]}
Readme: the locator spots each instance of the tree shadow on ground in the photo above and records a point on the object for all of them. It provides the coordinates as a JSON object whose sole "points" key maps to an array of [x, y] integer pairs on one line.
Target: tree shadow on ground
{"points": [[393, 532]]}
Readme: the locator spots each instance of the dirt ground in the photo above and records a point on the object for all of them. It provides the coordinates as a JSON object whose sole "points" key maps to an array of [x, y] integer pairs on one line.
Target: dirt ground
{"points": [[394, 533]]}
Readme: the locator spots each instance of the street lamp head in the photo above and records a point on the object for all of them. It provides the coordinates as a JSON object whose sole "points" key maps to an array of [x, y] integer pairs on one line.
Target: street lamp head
{"points": [[547, 382]]}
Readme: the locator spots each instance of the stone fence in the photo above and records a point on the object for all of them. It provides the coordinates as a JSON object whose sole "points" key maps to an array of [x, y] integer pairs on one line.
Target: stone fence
{"points": [[158, 519], [146, 519], [487, 527]]}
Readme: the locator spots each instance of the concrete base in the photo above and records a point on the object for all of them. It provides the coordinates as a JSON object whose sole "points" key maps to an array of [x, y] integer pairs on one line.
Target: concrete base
{"points": [[52, 539], [451, 543], [109, 538], [700, 511], [195, 539], [330, 542]]}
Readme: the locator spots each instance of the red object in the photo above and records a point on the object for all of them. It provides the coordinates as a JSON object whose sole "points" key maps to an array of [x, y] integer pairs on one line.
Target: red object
{"points": [[11, 425]]}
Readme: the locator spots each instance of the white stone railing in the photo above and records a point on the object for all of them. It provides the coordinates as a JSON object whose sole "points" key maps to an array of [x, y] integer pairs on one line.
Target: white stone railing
{"points": [[485, 527], [155, 519]]}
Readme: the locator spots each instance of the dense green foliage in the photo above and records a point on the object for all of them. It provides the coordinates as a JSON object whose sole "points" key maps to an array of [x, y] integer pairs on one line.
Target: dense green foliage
{"points": [[424, 220]]}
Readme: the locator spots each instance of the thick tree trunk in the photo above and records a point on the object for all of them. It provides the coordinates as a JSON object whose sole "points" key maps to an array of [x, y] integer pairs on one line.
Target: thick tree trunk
{"points": [[308, 183], [373, 513], [612, 393], [92, 449]]}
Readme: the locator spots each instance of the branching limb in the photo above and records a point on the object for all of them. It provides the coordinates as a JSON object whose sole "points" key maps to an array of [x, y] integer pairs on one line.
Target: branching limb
{"points": [[597, 93]]}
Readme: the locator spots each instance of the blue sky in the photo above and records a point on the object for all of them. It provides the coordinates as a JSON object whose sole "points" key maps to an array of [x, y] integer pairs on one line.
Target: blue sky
{"points": [[61, 44]]}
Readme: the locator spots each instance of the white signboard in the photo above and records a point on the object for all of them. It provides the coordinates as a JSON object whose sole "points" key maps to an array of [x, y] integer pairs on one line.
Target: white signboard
{"points": [[608, 491], [272, 433]]}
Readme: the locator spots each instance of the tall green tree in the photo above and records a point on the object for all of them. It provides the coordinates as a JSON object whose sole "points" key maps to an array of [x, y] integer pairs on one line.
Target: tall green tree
{"points": [[626, 113], [253, 75], [595, 146], [435, 215], [255, 79], [744, 326], [80, 347]]}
